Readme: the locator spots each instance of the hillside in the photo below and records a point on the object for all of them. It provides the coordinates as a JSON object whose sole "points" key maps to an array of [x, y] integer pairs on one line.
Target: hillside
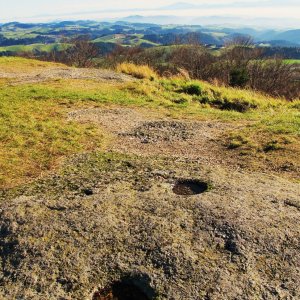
{"points": [[16, 37], [155, 188]]}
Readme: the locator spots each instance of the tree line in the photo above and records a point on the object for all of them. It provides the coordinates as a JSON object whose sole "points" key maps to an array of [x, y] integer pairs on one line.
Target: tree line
{"points": [[239, 64]]}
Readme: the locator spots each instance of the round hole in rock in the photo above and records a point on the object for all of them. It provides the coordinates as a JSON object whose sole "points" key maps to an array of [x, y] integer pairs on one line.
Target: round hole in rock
{"points": [[121, 290], [189, 187]]}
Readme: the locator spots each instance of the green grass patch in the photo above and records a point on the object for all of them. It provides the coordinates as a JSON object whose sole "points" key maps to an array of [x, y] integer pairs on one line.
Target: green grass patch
{"points": [[34, 47], [125, 40], [292, 61], [237, 141], [35, 134], [272, 146]]}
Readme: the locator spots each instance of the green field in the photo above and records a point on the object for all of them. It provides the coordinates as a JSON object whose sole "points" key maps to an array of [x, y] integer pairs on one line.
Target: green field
{"points": [[33, 47], [125, 40], [292, 61]]}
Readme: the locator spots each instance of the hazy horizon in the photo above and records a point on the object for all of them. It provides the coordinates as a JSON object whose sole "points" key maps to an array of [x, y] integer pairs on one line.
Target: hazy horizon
{"points": [[266, 13]]}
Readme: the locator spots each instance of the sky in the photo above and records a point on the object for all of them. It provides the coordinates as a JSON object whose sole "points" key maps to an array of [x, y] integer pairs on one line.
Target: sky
{"points": [[44, 10]]}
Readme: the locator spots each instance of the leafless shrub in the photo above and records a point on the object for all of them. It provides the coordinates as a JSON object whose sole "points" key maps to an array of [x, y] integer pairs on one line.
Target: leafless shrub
{"points": [[25, 54], [275, 77], [124, 54], [78, 52], [240, 40], [195, 59], [82, 52], [240, 55]]}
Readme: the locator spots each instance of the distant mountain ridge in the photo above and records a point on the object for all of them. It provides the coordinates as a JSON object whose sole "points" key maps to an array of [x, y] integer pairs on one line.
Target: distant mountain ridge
{"points": [[135, 32], [290, 35]]}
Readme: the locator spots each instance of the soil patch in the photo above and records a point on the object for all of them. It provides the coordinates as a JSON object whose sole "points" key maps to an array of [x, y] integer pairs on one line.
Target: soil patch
{"points": [[156, 131], [41, 75], [146, 133]]}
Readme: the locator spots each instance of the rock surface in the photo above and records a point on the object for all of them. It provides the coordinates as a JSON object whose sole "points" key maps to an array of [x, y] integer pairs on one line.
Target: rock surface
{"points": [[110, 223], [238, 240], [42, 74]]}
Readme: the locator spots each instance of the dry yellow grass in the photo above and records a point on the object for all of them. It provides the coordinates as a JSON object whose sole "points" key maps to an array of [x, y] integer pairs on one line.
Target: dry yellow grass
{"points": [[138, 71], [19, 65]]}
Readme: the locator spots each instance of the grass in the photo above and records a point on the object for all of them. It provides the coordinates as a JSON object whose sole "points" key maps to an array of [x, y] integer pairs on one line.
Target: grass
{"points": [[34, 47], [237, 141], [192, 89], [35, 134], [138, 71], [272, 146], [125, 39], [19, 64], [292, 61]]}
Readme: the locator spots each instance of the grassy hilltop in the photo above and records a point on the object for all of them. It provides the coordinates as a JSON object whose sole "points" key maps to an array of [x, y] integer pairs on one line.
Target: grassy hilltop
{"points": [[157, 188], [35, 133]]}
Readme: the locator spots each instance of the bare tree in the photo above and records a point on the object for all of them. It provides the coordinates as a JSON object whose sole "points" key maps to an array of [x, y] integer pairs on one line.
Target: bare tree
{"points": [[82, 52], [195, 59], [240, 40], [122, 54], [238, 54], [275, 77]]}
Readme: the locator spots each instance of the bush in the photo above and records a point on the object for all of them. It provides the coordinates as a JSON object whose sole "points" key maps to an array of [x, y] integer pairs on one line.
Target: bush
{"points": [[238, 105], [138, 71], [275, 77], [238, 77], [181, 100], [196, 59], [192, 89], [217, 100]]}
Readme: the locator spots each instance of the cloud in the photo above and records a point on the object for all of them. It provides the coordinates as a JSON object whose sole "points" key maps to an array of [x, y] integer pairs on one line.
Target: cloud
{"points": [[37, 10]]}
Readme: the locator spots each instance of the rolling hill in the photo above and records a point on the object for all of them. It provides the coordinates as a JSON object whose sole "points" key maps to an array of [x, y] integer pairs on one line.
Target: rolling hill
{"points": [[130, 34]]}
